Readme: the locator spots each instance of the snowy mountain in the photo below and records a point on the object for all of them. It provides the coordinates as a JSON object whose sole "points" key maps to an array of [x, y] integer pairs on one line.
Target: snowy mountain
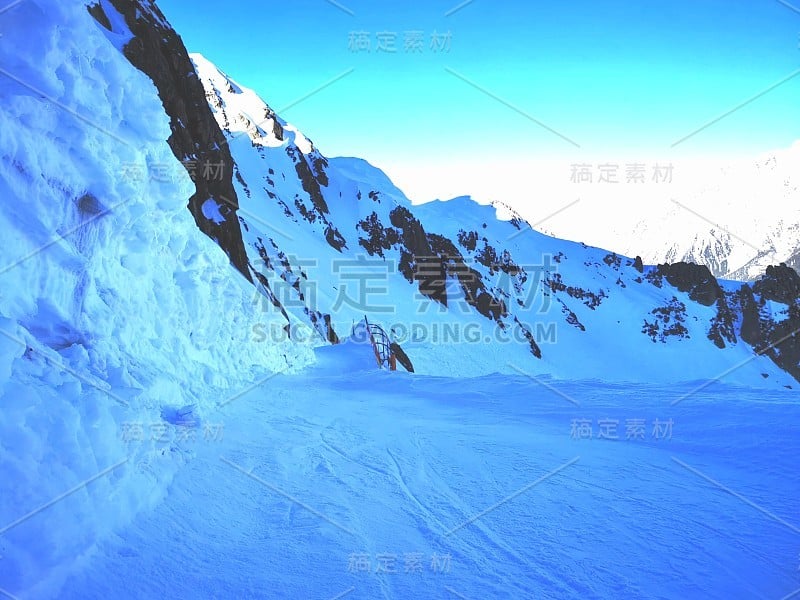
{"points": [[510, 298], [737, 218], [754, 211], [173, 245]]}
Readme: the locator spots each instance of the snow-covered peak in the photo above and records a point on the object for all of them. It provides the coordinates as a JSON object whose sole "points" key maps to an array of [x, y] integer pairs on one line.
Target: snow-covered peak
{"points": [[240, 111], [736, 217], [458, 265]]}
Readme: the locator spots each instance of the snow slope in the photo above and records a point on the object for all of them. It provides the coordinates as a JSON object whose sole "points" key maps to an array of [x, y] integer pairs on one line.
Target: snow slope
{"points": [[312, 225], [114, 308], [380, 485]]}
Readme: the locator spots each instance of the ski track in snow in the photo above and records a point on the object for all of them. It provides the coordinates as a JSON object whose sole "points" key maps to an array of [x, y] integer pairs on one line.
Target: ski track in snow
{"points": [[382, 466]]}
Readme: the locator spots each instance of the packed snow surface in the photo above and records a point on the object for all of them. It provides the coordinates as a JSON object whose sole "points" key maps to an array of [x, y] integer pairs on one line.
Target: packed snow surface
{"points": [[352, 482]]}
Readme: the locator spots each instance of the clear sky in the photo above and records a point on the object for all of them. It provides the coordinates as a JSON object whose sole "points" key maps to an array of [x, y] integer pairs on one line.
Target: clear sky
{"points": [[614, 77]]}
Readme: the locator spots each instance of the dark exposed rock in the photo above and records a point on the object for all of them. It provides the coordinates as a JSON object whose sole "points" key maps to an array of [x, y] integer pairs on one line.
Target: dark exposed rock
{"points": [[418, 262], [571, 317], [613, 260], [378, 238], [638, 265], [158, 52], [489, 306], [89, 205], [471, 281], [534, 347], [723, 324], [319, 163], [334, 238], [277, 130], [697, 280], [413, 235], [750, 329], [669, 322], [655, 277], [96, 10], [308, 215], [490, 259], [780, 340], [322, 323], [310, 181], [555, 283], [779, 284], [469, 240]]}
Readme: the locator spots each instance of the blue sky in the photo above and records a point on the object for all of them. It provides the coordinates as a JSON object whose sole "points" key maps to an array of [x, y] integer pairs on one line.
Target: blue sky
{"points": [[615, 77]]}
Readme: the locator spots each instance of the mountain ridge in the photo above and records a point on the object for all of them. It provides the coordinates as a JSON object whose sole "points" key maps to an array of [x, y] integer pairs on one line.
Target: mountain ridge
{"points": [[536, 304], [285, 184]]}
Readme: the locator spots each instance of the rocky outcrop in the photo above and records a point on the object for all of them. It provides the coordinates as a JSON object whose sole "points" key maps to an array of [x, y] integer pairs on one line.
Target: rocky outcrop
{"points": [[697, 280], [668, 322], [780, 340], [723, 324], [750, 328], [417, 260], [312, 180], [377, 239], [196, 139], [779, 284], [745, 308]]}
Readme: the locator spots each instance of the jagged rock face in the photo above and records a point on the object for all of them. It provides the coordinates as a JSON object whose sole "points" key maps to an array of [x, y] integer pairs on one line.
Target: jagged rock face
{"points": [[418, 262], [750, 329], [723, 324], [779, 339], [196, 139], [779, 284], [697, 280], [783, 342], [475, 291], [638, 264]]}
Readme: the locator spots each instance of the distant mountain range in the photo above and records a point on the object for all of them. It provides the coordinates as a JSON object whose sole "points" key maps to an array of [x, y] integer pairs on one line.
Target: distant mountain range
{"points": [[737, 219]]}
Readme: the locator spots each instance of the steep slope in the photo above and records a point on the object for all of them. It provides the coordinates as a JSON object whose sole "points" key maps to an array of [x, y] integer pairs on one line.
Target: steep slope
{"points": [[115, 310], [155, 49], [463, 291]]}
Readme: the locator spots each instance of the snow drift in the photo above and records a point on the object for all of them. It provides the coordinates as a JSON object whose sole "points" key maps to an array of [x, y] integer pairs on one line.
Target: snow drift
{"points": [[113, 305]]}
